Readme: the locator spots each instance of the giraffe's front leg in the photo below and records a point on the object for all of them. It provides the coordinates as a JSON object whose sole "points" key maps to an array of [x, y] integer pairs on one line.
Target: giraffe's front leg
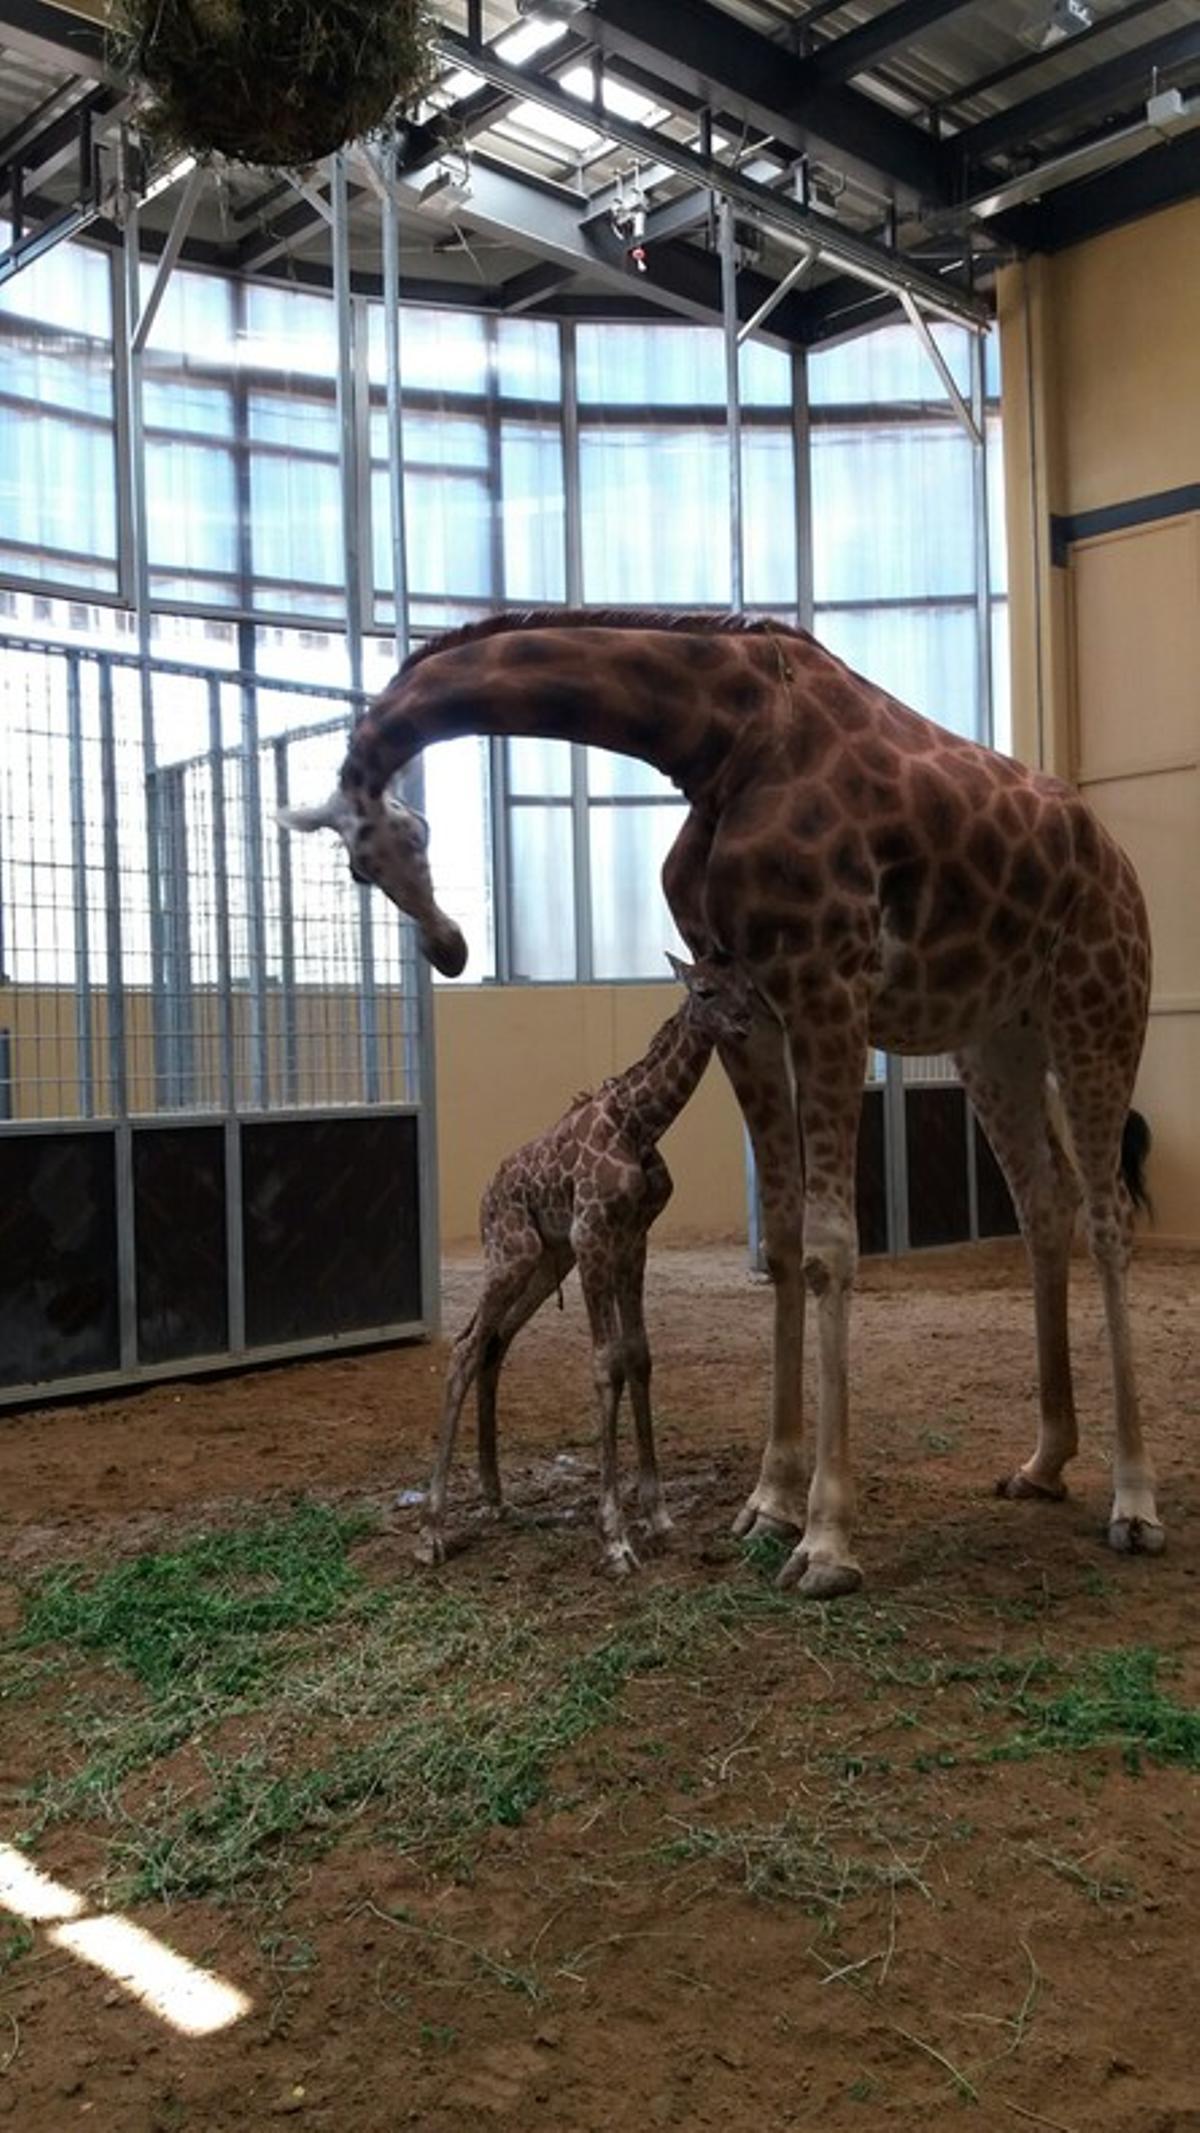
{"points": [[761, 1081], [653, 1511], [829, 1090], [596, 1276]]}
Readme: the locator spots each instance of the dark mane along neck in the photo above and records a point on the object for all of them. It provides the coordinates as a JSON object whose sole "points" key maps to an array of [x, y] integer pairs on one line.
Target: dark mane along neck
{"points": [[675, 690], [601, 618]]}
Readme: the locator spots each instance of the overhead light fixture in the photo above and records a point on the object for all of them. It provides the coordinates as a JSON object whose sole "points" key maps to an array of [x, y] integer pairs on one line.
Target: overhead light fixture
{"points": [[1055, 24], [554, 10]]}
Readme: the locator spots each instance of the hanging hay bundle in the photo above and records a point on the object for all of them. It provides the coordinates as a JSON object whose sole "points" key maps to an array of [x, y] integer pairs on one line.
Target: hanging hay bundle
{"points": [[272, 82]]}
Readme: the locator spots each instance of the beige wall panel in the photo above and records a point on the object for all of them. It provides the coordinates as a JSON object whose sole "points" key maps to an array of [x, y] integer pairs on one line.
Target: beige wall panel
{"points": [[1167, 1093], [1136, 654], [1157, 820], [1127, 324], [510, 1059]]}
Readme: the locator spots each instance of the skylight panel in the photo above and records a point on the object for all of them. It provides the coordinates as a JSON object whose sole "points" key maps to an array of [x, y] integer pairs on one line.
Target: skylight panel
{"points": [[516, 46], [539, 119], [615, 96]]}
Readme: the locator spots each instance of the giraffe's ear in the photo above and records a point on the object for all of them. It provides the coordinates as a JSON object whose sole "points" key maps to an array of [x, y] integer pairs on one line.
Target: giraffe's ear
{"points": [[332, 813], [683, 971]]}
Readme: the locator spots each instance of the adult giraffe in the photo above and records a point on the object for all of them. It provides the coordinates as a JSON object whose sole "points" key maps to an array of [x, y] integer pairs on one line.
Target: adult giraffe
{"points": [[882, 882]]}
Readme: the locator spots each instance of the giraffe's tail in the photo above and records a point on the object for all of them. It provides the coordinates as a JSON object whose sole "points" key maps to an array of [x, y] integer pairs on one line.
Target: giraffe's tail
{"points": [[1136, 1142]]}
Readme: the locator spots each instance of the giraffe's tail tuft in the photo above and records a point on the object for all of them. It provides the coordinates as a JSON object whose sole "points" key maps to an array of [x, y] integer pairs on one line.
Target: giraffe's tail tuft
{"points": [[1136, 1141]]}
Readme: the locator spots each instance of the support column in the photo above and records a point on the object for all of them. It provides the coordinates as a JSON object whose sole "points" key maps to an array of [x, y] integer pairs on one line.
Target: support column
{"points": [[420, 1057], [351, 491]]}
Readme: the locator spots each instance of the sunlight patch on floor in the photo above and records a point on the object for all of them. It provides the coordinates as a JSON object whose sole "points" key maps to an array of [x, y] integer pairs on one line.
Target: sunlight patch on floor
{"points": [[192, 2000]]}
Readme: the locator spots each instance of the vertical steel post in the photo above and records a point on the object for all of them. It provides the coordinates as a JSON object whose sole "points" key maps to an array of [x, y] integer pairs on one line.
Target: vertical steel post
{"points": [[733, 404], [895, 1146], [498, 779], [287, 933], [352, 526], [983, 556], [226, 1036], [802, 490], [983, 650], [420, 1053], [118, 1065], [179, 1034], [85, 1068], [118, 1056], [573, 574], [256, 912], [737, 578], [128, 356]]}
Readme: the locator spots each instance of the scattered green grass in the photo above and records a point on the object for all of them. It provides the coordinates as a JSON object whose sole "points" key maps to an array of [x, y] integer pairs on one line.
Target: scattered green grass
{"points": [[251, 1698], [1077, 1871], [794, 1859], [864, 2090], [1114, 1701], [16, 1940], [438, 2036], [206, 1612]]}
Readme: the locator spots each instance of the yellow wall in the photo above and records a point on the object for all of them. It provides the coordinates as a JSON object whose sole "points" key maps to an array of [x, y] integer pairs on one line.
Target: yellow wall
{"points": [[510, 1058], [1100, 348]]}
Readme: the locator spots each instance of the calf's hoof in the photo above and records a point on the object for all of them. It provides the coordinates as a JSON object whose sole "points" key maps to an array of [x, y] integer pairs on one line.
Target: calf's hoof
{"points": [[429, 1548], [819, 1577], [620, 1560], [1022, 1488], [758, 1520], [1137, 1536]]}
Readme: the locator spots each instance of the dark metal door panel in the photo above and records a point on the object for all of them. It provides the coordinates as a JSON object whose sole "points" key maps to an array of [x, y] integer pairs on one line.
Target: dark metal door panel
{"points": [[179, 1226], [331, 1226], [58, 1257]]}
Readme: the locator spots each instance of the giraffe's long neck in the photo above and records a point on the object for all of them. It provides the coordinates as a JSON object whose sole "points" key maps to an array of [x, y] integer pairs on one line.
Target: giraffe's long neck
{"points": [[676, 704], [655, 1089]]}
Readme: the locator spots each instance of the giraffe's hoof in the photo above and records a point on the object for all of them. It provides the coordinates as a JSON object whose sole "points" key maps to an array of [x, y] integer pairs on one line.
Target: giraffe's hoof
{"points": [[819, 1577], [754, 1522], [1021, 1488], [429, 1548], [1137, 1536], [659, 1524], [620, 1559]]}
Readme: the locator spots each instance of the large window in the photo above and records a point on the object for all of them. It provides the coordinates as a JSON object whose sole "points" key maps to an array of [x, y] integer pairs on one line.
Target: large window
{"points": [[549, 852], [896, 488]]}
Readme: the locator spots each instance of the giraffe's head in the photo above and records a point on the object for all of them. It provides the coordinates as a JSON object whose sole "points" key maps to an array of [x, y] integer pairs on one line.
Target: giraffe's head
{"points": [[720, 997], [388, 843]]}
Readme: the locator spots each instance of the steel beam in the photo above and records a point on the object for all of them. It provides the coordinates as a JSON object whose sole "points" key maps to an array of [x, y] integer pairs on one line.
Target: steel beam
{"points": [[1110, 86], [546, 220], [533, 285], [56, 36], [791, 280], [745, 76], [859, 49], [966, 92], [920, 327], [754, 201], [1159, 178], [180, 226]]}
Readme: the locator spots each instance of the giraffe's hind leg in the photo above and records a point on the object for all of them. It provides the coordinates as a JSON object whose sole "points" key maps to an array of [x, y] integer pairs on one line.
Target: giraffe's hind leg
{"points": [[549, 1273], [653, 1510], [1005, 1077], [507, 1278], [1095, 1085]]}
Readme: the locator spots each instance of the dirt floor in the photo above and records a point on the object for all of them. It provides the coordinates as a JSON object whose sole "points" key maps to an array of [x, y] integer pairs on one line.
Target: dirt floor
{"points": [[509, 1844]]}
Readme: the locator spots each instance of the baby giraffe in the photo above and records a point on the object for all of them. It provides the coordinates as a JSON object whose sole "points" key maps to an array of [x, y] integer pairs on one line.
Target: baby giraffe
{"points": [[586, 1194]]}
